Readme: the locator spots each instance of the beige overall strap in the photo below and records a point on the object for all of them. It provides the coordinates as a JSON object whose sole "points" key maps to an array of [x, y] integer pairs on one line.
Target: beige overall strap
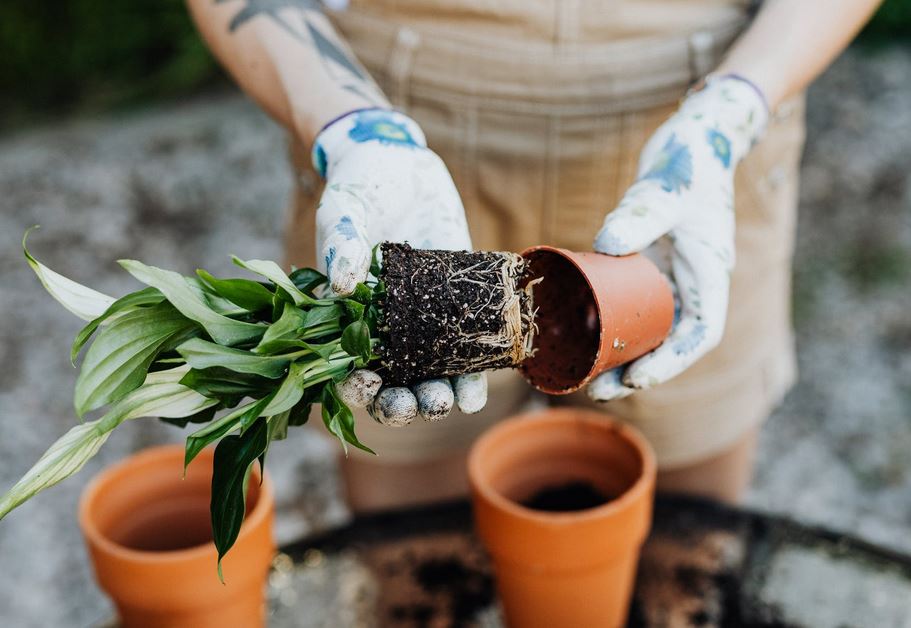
{"points": [[398, 67], [703, 55]]}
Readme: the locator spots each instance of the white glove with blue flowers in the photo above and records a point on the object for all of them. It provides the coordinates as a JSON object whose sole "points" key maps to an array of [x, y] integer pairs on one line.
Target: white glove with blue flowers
{"points": [[384, 184], [680, 212]]}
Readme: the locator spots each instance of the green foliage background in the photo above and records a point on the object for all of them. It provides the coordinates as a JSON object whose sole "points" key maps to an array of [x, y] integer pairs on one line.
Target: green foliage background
{"points": [[66, 56], [892, 21], [61, 56]]}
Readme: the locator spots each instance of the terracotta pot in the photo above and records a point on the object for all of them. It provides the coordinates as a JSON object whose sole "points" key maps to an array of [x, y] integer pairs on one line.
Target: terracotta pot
{"points": [[150, 540], [556, 569], [595, 312]]}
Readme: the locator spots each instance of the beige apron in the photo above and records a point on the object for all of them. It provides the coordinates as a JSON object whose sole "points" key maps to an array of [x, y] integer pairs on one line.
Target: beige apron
{"points": [[540, 109]]}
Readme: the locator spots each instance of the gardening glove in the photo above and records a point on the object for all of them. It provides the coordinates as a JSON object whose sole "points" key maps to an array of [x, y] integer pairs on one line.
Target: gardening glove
{"points": [[384, 184], [680, 212]]}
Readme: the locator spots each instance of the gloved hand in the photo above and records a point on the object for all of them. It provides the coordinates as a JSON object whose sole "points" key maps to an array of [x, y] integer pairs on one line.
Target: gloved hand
{"points": [[384, 184], [681, 209]]}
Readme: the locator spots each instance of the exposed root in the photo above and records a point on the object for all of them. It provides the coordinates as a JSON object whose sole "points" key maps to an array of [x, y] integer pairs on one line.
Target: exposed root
{"points": [[449, 312]]}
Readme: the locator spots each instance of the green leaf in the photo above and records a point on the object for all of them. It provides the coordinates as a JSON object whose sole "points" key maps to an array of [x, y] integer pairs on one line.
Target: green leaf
{"points": [[201, 354], [273, 272], [339, 420], [322, 314], [64, 458], [219, 382], [348, 431], [283, 333], [278, 426], [184, 296], [356, 340], [250, 295], [362, 294], [203, 416], [375, 268], [238, 419], [220, 305], [84, 302], [353, 309], [290, 392], [146, 296], [307, 280], [324, 350], [160, 395], [171, 375], [162, 360], [300, 413], [322, 321], [118, 360], [332, 424], [278, 430], [373, 318], [233, 457], [346, 422]]}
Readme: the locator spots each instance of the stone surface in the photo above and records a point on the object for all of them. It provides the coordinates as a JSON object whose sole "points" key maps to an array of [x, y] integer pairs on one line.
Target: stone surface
{"points": [[185, 184], [812, 588], [838, 452], [322, 591]]}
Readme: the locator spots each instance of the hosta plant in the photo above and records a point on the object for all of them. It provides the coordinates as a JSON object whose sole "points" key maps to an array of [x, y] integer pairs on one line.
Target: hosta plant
{"points": [[244, 359]]}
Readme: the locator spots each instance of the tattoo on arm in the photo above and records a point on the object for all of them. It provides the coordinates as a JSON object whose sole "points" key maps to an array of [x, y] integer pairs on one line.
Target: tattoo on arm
{"points": [[354, 78], [330, 51]]}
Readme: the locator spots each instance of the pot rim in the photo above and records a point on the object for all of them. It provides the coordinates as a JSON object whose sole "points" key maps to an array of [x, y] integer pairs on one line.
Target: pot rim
{"points": [[95, 537], [564, 416], [570, 257]]}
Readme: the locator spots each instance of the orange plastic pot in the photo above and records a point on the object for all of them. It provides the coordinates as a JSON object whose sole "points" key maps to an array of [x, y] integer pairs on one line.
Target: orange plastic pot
{"points": [[595, 312], [556, 569], [149, 537]]}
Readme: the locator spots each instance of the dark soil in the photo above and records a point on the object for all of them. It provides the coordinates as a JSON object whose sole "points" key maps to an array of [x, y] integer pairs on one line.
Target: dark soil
{"points": [[568, 334], [469, 590], [566, 498], [451, 312]]}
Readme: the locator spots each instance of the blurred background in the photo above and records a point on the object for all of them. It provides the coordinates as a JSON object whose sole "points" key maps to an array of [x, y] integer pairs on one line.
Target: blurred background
{"points": [[122, 138]]}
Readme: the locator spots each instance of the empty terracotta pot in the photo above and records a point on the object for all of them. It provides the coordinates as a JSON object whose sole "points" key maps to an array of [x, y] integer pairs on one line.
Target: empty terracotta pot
{"points": [[571, 568], [150, 540], [595, 312]]}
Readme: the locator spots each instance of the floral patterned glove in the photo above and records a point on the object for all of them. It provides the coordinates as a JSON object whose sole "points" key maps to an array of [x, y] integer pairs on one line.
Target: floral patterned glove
{"points": [[384, 184], [682, 209]]}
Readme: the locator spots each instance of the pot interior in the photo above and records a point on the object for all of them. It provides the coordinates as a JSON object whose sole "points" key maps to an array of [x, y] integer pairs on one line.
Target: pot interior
{"points": [[577, 459], [150, 508], [568, 325]]}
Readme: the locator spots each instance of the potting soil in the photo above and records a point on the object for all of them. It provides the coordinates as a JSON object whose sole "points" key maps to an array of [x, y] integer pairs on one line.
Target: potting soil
{"points": [[452, 312], [566, 498]]}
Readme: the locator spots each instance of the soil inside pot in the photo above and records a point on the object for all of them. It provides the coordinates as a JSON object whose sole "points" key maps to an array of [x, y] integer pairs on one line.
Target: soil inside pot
{"points": [[577, 495], [568, 326], [452, 312]]}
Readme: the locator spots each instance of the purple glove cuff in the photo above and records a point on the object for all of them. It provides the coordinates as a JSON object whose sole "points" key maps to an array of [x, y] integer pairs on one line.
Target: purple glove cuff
{"points": [[371, 124], [348, 113], [743, 79]]}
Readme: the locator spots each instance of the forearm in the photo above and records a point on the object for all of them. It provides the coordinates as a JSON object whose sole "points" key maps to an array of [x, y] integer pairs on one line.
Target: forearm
{"points": [[792, 41], [288, 58]]}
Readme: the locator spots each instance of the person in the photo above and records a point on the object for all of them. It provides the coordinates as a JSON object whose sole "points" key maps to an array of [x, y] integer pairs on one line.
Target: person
{"points": [[411, 120]]}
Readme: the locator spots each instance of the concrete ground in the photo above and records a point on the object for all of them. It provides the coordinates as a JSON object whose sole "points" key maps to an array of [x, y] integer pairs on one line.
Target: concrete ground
{"points": [[185, 184]]}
